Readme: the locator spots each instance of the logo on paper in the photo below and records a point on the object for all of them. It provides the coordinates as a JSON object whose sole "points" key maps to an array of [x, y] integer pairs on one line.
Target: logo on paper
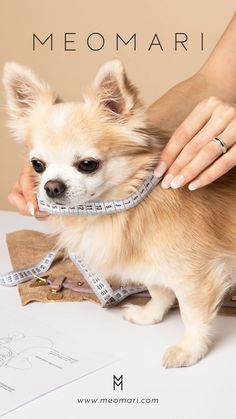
{"points": [[117, 382]]}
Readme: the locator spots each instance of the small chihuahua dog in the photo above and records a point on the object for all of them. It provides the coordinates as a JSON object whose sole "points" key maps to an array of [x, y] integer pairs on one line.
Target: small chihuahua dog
{"points": [[179, 244]]}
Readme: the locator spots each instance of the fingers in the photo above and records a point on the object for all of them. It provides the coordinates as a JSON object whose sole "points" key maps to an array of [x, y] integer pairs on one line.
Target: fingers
{"points": [[185, 132], [22, 195], [205, 157], [195, 152], [17, 200], [27, 183], [202, 160], [217, 169], [213, 128]]}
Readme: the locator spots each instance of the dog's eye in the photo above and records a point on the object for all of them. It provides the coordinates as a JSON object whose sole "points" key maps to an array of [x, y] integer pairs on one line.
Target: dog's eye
{"points": [[88, 165], [38, 165]]}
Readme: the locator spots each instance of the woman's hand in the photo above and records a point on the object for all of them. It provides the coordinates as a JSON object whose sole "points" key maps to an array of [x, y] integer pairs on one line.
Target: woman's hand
{"points": [[22, 195], [191, 157]]}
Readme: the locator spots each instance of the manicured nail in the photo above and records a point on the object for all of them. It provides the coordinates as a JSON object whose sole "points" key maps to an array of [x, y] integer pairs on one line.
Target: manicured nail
{"points": [[41, 214], [42, 218], [160, 169], [30, 208], [178, 181], [194, 185], [167, 181]]}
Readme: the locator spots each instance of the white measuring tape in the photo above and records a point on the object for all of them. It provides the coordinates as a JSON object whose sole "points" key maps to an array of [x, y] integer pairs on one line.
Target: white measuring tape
{"points": [[103, 207], [22, 275], [100, 286], [106, 295]]}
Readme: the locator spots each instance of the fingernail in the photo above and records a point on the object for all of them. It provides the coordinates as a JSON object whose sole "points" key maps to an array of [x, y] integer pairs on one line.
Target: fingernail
{"points": [[160, 169], [167, 181], [41, 218], [41, 214], [178, 181], [194, 185], [30, 208]]}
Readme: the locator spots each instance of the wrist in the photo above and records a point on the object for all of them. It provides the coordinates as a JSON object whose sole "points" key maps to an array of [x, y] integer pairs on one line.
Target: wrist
{"points": [[173, 107]]}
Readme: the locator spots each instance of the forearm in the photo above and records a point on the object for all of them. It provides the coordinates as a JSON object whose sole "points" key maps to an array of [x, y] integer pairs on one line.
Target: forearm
{"points": [[220, 68], [171, 108], [217, 77]]}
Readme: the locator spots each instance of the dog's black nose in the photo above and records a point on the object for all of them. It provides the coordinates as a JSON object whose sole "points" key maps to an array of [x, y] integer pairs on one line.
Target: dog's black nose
{"points": [[54, 188]]}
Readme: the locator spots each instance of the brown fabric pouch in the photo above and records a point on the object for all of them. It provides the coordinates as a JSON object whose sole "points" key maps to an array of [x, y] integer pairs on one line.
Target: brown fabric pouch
{"points": [[28, 247]]}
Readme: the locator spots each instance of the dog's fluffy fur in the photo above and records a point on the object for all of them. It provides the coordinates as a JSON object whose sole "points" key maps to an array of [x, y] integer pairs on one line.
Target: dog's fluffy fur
{"points": [[176, 242]]}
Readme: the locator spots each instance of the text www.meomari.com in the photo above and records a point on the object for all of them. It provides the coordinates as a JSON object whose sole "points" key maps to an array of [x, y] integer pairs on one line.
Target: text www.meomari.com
{"points": [[119, 400]]}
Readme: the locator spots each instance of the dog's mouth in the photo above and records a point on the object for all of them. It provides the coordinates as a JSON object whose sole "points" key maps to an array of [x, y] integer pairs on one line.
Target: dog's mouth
{"points": [[73, 202], [68, 200], [58, 203], [62, 200], [65, 203], [68, 203]]}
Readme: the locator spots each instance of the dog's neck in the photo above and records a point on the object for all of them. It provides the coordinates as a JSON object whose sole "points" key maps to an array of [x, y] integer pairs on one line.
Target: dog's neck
{"points": [[132, 183], [144, 164]]}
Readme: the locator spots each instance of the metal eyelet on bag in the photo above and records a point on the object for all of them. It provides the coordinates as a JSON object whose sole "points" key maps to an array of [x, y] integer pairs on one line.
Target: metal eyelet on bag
{"points": [[80, 283]]}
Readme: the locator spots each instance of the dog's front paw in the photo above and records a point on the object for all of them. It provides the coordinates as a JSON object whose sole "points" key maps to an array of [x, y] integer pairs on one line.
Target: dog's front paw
{"points": [[143, 315], [177, 356]]}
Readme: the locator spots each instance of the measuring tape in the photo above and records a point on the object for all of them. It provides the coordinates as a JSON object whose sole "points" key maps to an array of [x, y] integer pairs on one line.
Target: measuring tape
{"points": [[22, 275], [101, 287], [103, 207], [106, 295]]}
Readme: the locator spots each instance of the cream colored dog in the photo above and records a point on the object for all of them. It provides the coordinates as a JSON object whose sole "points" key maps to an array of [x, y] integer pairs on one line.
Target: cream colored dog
{"points": [[176, 242]]}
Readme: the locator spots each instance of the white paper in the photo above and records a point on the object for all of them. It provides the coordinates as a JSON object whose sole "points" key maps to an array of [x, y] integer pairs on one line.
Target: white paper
{"points": [[36, 359]]}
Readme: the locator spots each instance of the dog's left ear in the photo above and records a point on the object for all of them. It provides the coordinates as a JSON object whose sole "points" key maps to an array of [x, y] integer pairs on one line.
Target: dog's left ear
{"points": [[115, 91]]}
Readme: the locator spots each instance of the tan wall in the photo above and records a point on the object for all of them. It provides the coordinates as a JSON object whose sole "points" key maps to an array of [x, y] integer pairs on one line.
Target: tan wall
{"points": [[153, 71]]}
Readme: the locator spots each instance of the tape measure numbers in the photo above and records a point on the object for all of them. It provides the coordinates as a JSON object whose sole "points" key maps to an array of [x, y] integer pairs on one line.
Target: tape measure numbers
{"points": [[103, 207]]}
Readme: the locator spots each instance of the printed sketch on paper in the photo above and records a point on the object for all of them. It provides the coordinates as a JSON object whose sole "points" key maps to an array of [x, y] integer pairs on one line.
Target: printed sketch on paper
{"points": [[16, 349]]}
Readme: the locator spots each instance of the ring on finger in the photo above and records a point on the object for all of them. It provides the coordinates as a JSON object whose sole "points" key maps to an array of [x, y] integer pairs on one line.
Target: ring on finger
{"points": [[220, 144]]}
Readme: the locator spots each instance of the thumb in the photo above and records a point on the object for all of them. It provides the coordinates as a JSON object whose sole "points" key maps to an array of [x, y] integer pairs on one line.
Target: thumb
{"points": [[27, 185]]}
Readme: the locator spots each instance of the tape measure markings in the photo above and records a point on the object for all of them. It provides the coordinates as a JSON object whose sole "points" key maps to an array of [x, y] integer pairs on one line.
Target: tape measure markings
{"points": [[22, 275], [103, 207]]}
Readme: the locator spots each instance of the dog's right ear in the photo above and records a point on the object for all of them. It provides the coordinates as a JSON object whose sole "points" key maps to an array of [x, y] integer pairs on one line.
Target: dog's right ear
{"points": [[24, 92]]}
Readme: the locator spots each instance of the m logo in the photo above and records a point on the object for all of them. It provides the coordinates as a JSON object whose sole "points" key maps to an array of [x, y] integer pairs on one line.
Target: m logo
{"points": [[117, 382]]}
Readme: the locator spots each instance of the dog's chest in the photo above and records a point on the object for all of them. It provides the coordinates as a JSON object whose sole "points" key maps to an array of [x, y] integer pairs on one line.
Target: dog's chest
{"points": [[103, 250]]}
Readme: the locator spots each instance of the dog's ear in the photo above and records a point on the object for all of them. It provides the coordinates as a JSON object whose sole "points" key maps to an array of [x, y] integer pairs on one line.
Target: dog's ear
{"points": [[24, 91], [114, 90]]}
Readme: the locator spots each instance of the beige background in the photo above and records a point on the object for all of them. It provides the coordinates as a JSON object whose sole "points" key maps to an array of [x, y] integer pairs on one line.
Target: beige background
{"points": [[154, 72]]}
